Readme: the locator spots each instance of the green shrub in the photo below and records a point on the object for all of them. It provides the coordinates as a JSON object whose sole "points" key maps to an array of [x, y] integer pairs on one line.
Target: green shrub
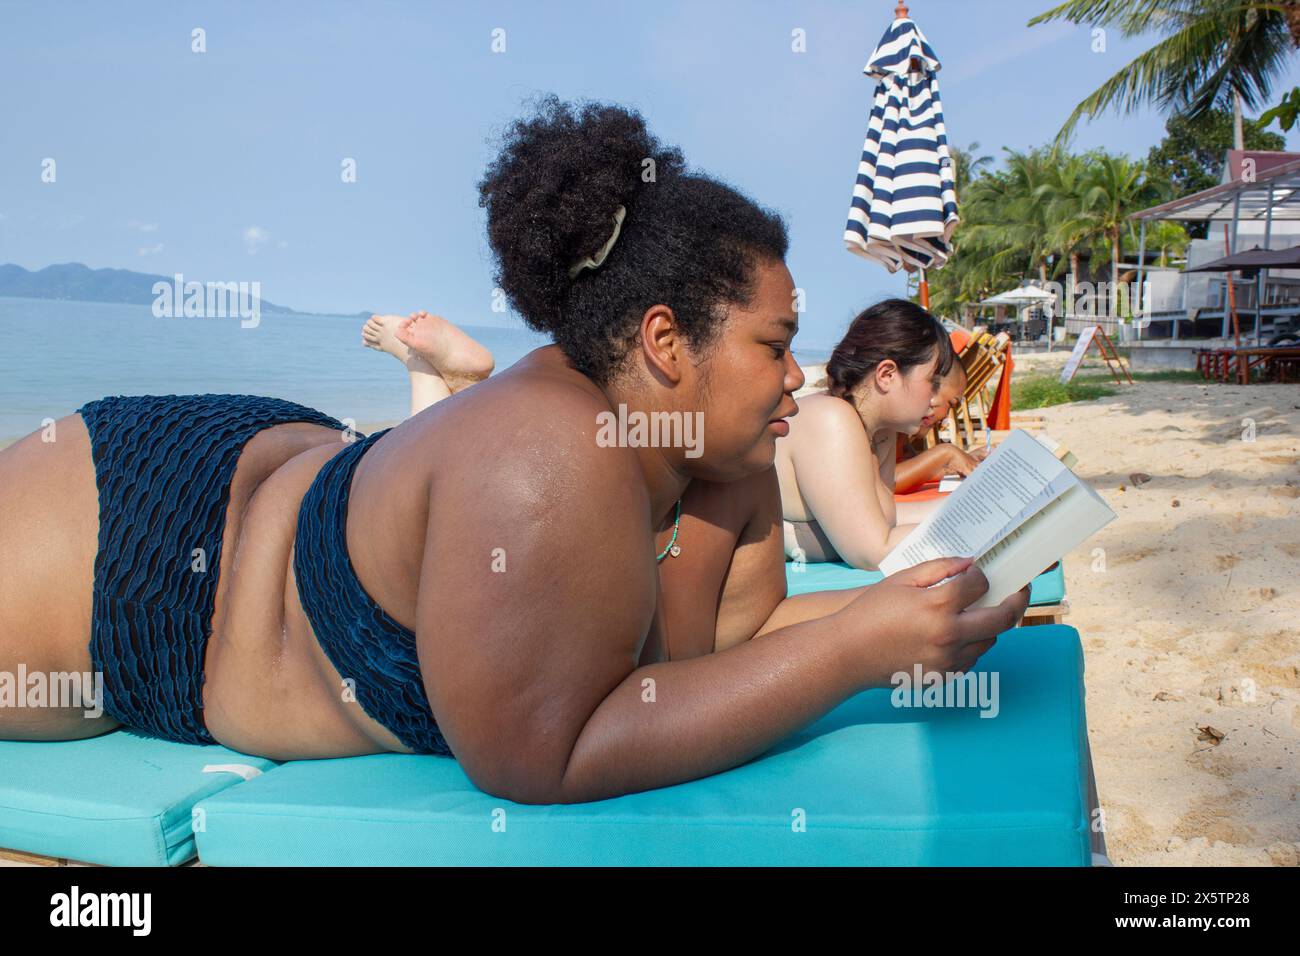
{"points": [[1043, 390]]}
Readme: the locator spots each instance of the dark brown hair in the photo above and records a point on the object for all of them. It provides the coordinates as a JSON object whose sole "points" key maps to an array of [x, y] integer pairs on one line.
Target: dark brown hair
{"points": [[893, 329]]}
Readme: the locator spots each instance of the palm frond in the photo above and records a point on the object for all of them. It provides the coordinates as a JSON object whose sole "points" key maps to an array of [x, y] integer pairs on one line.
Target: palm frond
{"points": [[1136, 14], [1211, 50]]}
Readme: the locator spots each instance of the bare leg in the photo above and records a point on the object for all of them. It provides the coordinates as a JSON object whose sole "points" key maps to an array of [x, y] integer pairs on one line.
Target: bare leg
{"points": [[455, 356], [440, 359], [427, 386]]}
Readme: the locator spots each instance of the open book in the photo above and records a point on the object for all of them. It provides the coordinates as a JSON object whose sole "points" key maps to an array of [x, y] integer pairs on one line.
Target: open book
{"points": [[1017, 514]]}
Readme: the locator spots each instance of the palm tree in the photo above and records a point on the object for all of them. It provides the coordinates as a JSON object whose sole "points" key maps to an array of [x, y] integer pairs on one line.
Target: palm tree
{"points": [[1170, 238], [982, 263], [968, 166], [1069, 230], [1009, 220], [1113, 187], [1214, 52], [1003, 233]]}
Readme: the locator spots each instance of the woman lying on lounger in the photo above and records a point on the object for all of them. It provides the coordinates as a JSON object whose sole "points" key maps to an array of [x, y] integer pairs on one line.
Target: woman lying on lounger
{"points": [[891, 376], [488, 579]]}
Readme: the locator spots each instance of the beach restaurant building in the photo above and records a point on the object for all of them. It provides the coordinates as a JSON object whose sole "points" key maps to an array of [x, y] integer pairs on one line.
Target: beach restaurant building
{"points": [[1257, 205]]}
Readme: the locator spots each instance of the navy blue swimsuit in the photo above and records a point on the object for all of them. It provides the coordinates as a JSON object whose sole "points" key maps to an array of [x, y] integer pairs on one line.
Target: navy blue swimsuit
{"points": [[360, 639], [163, 467]]}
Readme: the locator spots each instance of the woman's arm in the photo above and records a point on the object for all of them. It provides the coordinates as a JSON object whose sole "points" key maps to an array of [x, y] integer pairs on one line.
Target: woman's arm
{"points": [[537, 592], [797, 608], [677, 721], [753, 600], [926, 466], [942, 459]]}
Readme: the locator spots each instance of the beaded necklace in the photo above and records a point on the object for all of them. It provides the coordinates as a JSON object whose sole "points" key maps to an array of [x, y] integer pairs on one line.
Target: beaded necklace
{"points": [[673, 547]]}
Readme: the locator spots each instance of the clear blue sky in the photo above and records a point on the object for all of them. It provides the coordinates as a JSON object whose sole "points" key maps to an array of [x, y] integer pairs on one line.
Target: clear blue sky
{"points": [[225, 165]]}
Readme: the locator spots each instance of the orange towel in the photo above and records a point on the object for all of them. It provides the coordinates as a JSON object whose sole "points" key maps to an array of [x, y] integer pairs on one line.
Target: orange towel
{"points": [[927, 492], [1000, 411]]}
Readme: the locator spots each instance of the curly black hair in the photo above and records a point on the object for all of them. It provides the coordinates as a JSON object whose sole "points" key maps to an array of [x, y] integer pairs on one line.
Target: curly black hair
{"points": [[687, 240]]}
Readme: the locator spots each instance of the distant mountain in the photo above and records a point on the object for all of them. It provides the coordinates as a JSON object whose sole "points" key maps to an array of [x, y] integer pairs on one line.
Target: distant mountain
{"points": [[77, 282]]}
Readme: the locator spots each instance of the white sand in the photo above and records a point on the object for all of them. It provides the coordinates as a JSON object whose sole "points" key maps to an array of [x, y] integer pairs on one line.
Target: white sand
{"points": [[1192, 620]]}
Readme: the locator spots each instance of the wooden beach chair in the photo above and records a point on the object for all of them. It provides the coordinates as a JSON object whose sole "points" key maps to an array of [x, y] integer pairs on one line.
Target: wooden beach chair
{"points": [[987, 365]]}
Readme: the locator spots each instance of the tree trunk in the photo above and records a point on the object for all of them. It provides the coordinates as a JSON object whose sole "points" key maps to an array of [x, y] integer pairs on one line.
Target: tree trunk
{"points": [[1238, 136]]}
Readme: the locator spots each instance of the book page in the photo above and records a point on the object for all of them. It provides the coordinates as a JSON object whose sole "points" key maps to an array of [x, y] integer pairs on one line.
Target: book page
{"points": [[1046, 537], [1016, 481]]}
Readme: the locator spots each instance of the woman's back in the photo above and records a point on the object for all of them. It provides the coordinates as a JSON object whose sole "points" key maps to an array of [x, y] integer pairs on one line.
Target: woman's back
{"points": [[271, 686]]}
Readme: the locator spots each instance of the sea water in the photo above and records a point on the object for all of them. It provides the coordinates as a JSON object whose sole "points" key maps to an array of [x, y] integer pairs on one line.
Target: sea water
{"points": [[55, 355]]}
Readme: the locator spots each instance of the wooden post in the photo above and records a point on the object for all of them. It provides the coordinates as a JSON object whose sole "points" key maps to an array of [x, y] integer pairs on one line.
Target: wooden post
{"points": [[1142, 273], [1231, 304]]}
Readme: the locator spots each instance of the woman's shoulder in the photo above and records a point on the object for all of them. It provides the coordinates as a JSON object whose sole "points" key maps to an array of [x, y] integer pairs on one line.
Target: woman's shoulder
{"points": [[566, 406], [536, 420], [824, 414]]}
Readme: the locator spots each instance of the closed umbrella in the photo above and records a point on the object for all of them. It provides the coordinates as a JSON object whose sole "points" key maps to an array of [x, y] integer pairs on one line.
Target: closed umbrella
{"points": [[904, 207]]}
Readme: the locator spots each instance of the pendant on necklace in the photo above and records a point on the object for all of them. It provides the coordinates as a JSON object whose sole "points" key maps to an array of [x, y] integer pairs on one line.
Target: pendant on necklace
{"points": [[675, 550]]}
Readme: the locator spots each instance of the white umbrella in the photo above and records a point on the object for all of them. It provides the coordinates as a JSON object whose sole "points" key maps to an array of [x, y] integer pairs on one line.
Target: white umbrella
{"points": [[1025, 294], [904, 207]]}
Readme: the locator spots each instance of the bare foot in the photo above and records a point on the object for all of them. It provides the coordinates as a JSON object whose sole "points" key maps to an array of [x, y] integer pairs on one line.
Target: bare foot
{"points": [[380, 333], [457, 358]]}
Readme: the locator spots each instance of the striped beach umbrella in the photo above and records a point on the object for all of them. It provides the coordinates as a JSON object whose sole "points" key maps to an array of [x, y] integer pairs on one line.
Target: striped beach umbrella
{"points": [[904, 207]]}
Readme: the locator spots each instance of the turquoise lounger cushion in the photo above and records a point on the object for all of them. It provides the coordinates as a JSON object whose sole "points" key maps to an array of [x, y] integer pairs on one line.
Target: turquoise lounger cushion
{"points": [[1047, 588], [120, 799], [826, 576], [873, 784]]}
